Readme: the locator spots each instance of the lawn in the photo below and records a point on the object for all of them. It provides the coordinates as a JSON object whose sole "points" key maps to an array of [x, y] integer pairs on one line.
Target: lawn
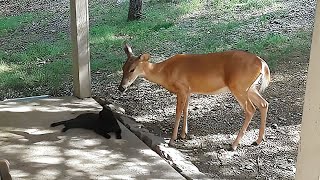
{"points": [[35, 44]]}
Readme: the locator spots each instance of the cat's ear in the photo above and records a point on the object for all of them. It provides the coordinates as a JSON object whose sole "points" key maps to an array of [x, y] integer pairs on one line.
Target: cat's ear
{"points": [[101, 101]]}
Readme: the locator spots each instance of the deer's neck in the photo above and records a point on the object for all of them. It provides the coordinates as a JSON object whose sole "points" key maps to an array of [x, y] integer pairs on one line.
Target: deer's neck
{"points": [[154, 72]]}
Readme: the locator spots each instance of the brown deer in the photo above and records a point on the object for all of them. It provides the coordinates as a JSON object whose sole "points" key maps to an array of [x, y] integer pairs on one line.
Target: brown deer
{"points": [[242, 73]]}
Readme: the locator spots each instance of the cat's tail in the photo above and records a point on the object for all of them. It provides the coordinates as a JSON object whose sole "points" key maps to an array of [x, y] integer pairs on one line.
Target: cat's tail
{"points": [[57, 123]]}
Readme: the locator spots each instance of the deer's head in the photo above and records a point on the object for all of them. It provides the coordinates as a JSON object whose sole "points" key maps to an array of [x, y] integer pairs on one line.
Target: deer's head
{"points": [[132, 68]]}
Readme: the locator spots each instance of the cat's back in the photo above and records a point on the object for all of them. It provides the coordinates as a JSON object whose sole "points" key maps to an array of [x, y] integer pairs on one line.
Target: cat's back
{"points": [[86, 120]]}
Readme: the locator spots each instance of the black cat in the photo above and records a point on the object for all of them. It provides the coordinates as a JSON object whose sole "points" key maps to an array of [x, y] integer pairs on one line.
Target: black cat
{"points": [[101, 123]]}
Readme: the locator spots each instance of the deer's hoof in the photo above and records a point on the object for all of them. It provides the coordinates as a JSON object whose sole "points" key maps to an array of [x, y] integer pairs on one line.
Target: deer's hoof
{"points": [[185, 137], [171, 143], [231, 148]]}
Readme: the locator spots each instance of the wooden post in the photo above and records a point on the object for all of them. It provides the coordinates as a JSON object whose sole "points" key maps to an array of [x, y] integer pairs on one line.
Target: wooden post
{"points": [[308, 164], [80, 48]]}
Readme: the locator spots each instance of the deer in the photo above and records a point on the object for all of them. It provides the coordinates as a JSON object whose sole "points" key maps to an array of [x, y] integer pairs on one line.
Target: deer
{"points": [[242, 73]]}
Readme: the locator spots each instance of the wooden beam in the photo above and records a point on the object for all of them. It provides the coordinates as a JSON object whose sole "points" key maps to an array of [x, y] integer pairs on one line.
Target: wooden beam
{"points": [[80, 48], [308, 164]]}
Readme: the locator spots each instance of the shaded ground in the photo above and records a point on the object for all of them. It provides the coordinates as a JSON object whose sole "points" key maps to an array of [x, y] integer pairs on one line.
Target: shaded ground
{"points": [[213, 120]]}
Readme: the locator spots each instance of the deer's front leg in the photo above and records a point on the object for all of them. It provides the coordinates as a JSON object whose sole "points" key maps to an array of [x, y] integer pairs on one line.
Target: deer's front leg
{"points": [[181, 101]]}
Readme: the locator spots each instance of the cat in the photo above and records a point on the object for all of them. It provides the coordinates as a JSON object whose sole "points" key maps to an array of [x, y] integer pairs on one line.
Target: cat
{"points": [[102, 123]]}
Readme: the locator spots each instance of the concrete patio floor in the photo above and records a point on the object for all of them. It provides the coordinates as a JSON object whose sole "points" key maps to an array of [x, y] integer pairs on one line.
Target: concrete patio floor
{"points": [[37, 151]]}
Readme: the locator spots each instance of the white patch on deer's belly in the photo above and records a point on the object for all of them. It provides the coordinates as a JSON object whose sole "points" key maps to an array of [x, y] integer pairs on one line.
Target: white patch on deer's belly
{"points": [[224, 89]]}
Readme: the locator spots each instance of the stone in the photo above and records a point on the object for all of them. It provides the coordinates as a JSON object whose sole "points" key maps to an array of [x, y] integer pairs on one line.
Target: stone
{"points": [[290, 160], [249, 167], [274, 126]]}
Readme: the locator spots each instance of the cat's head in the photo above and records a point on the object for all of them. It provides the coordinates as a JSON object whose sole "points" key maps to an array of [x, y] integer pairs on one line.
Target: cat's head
{"points": [[106, 113]]}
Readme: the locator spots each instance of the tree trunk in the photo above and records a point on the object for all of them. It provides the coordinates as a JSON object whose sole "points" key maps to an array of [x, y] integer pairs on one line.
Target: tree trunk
{"points": [[135, 10]]}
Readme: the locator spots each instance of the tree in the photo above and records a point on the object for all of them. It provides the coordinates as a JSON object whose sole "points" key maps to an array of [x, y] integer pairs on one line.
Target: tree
{"points": [[135, 10]]}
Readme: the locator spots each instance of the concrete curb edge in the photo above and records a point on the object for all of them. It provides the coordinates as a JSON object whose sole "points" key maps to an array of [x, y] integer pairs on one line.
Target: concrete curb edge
{"points": [[171, 155]]}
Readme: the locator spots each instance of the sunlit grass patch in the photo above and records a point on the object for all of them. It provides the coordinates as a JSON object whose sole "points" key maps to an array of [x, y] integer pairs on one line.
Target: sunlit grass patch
{"points": [[240, 4], [28, 76], [4, 67]]}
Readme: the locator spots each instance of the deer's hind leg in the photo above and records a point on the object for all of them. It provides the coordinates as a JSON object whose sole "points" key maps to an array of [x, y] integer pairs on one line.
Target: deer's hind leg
{"points": [[262, 105], [249, 110]]}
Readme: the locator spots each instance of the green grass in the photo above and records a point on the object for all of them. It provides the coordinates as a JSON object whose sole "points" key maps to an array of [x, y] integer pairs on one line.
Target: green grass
{"points": [[228, 5], [38, 63], [163, 33], [11, 23], [109, 33], [167, 28], [42, 63], [28, 75]]}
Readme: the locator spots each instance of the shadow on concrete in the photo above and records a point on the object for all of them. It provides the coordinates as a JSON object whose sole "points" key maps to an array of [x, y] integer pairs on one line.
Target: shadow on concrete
{"points": [[37, 151]]}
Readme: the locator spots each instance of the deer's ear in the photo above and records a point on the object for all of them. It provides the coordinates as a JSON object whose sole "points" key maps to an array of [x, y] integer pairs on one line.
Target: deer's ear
{"points": [[127, 49], [145, 57]]}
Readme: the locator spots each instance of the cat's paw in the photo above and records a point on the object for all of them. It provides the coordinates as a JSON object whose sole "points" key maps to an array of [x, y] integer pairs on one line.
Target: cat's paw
{"points": [[107, 136], [118, 136], [64, 129], [53, 124]]}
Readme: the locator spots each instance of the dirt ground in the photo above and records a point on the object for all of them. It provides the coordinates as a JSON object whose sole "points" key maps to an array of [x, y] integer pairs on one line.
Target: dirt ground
{"points": [[213, 120]]}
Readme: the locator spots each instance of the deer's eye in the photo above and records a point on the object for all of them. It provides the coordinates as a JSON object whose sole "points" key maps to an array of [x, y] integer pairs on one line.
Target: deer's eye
{"points": [[131, 70]]}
